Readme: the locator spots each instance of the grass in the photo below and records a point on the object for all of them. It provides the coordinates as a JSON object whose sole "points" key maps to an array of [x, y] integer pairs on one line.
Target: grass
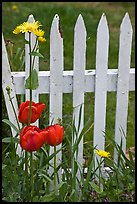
{"points": [[68, 13]]}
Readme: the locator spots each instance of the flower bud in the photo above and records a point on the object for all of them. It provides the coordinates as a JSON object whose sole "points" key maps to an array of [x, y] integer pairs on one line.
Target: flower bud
{"points": [[8, 90]]}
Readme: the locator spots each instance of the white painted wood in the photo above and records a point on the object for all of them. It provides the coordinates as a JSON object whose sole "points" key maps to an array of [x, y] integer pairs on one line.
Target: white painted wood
{"points": [[123, 81], [35, 95], [89, 85], [7, 81], [101, 85], [78, 82], [56, 72]]}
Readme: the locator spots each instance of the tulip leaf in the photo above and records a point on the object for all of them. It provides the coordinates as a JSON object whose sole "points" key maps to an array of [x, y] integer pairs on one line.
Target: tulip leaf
{"points": [[8, 122], [52, 155], [38, 54], [11, 140], [35, 83], [3, 166], [95, 187], [47, 197], [53, 194]]}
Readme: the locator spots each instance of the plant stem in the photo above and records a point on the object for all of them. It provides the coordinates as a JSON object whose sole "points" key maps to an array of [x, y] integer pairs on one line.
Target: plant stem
{"points": [[55, 167], [26, 174], [30, 109], [99, 174], [32, 64], [100, 187], [32, 177], [29, 121], [10, 99]]}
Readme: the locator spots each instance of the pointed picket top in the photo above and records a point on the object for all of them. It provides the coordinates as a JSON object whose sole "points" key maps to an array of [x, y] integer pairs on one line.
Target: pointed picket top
{"points": [[103, 25], [31, 18], [55, 27], [102, 43], [55, 19], [126, 24], [80, 23], [79, 44]]}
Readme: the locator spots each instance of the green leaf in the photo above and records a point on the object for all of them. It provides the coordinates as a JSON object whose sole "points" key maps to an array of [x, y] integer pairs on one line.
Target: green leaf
{"points": [[88, 177], [95, 187], [52, 155], [35, 83], [47, 197], [3, 166], [17, 53], [11, 139], [72, 193], [46, 177], [8, 122], [36, 54]]}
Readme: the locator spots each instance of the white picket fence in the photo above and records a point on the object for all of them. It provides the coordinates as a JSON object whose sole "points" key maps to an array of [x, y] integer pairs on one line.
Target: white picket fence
{"points": [[79, 81]]}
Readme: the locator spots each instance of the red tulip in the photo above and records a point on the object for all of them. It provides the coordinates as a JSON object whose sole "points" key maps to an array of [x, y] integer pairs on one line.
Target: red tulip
{"points": [[37, 109], [54, 134], [32, 138]]}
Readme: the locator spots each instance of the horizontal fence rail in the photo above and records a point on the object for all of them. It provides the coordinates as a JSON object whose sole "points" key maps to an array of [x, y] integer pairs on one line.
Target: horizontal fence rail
{"points": [[89, 81]]}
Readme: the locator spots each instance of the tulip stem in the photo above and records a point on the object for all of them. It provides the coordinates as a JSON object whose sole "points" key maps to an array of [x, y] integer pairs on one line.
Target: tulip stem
{"points": [[32, 177], [55, 167], [26, 173]]}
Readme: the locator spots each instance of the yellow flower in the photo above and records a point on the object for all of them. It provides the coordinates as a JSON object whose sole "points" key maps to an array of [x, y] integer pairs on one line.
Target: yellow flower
{"points": [[17, 30], [39, 33], [102, 153], [14, 7], [27, 27], [41, 39]]}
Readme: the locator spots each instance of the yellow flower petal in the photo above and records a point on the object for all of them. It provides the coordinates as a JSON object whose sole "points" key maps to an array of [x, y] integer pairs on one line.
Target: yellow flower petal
{"points": [[102, 153], [17, 30], [41, 39], [39, 32], [14, 7], [27, 27]]}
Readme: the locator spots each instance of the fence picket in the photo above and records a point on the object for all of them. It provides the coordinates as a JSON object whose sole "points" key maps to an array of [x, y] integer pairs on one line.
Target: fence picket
{"points": [[123, 82], [78, 82], [56, 76], [101, 85], [7, 80], [35, 95]]}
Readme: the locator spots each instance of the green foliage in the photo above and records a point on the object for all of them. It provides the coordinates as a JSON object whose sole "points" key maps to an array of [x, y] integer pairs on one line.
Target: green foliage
{"points": [[118, 186], [8, 122], [36, 54], [35, 82]]}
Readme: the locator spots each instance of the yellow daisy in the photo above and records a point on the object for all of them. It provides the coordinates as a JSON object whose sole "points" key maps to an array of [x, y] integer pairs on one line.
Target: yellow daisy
{"points": [[14, 7], [27, 27], [41, 39], [102, 153], [39, 32], [17, 30]]}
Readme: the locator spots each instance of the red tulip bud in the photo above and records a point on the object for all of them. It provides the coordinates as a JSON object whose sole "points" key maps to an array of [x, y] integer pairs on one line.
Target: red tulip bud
{"points": [[32, 138], [54, 135], [37, 109]]}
